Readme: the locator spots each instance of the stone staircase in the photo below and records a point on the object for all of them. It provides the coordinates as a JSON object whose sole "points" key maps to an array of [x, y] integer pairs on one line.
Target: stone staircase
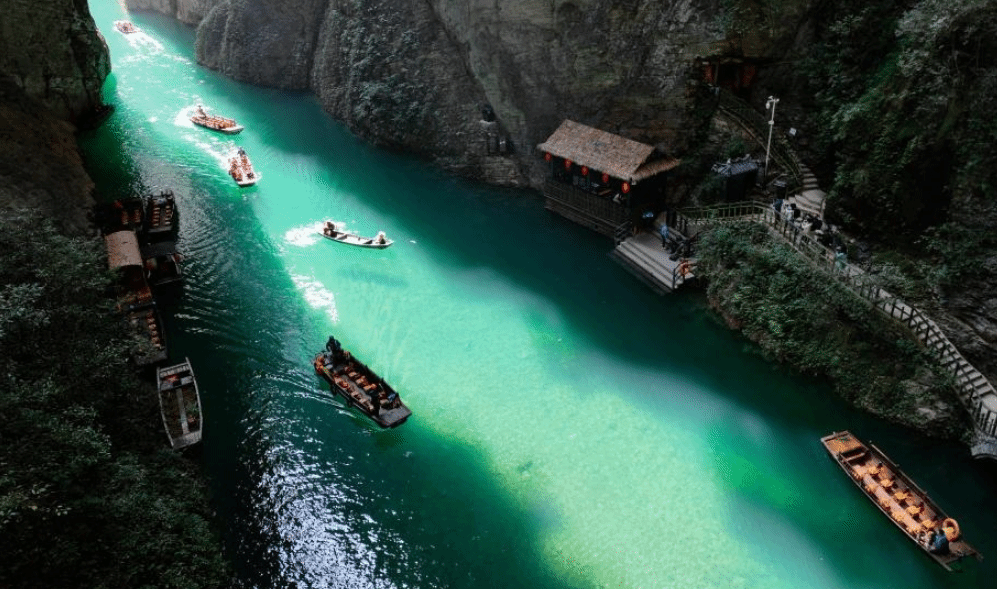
{"points": [[975, 392], [810, 198]]}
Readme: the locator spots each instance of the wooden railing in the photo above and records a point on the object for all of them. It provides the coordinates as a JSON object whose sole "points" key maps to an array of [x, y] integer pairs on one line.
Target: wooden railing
{"points": [[973, 386]]}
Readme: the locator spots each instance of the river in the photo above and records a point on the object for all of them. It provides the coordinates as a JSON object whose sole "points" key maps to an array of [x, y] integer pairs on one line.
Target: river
{"points": [[570, 428]]}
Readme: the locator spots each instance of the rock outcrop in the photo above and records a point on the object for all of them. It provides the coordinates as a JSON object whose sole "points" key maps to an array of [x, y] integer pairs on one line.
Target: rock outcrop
{"points": [[40, 164], [53, 63], [54, 52]]}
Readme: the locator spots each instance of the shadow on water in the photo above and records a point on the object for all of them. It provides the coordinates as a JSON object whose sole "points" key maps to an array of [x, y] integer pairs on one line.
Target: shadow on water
{"points": [[306, 493], [457, 527]]}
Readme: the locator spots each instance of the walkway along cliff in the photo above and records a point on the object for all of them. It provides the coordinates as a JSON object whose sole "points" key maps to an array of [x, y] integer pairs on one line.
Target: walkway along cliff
{"points": [[976, 393]]}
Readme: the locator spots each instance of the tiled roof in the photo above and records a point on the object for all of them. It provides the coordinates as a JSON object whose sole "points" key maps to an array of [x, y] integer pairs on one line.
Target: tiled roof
{"points": [[122, 249], [601, 151]]}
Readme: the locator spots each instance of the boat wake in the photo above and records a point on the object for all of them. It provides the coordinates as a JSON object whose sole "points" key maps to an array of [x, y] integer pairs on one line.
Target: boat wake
{"points": [[317, 296], [305, 235]]}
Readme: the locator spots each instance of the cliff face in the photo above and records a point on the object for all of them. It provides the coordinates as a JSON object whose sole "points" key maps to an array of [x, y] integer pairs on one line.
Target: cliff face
{"points": [[53, 51], [418, 75], [52, 65]]}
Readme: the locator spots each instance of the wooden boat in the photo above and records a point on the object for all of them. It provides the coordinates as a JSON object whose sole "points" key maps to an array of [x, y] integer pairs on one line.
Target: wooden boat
{"points": [[125, 27], [161, 261], [148, 326], [124, 256], [215, 122], [179, 404], [898, 497], [360, 386], [160, 216], [330, 230], [122, 214], [241, 169]]}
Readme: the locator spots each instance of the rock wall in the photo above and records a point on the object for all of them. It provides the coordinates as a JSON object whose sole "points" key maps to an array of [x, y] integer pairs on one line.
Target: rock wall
{"points": [[53, 51], [53, 63], [418, 75]]}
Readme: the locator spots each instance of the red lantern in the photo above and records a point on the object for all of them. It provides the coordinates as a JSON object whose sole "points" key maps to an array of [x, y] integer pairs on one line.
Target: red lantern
{"points": [[567, 164], [626, 187], [605, 178], [585, 171], [548, 157]]}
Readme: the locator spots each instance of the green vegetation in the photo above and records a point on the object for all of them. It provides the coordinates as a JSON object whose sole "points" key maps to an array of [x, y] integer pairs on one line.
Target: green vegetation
{"points": [[905, 95], [89, 494], [803, 317]]}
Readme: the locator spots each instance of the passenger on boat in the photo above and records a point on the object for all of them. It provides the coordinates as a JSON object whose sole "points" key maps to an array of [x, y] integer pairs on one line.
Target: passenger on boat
{"points": [[330, 229], [380, 239], [938, 543]]}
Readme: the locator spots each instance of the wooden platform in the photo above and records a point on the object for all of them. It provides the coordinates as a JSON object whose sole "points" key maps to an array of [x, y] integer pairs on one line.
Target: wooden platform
{"points": [[644, 257]]}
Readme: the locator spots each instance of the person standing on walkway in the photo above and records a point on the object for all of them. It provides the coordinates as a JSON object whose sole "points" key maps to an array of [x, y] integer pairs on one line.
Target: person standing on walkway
{"points": [[840, 259], [664, 235]]}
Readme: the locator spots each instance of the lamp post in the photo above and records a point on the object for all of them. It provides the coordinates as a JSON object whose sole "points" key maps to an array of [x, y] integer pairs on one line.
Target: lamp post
{"points": [[772, 101]]}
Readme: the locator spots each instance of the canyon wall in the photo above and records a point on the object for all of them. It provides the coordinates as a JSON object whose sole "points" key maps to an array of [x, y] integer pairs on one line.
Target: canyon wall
{"points": [[475, 84], [53, 63], [53, 51]]}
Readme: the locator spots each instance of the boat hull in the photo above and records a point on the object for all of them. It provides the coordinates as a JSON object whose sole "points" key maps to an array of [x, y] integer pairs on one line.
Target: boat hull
{"points": [[330, 232], [180, 404], [362, 389], [233, 130], [895, 494]]}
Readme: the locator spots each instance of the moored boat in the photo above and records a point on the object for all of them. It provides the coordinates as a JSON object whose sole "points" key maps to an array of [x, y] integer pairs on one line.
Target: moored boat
{"points": [[125, 27], [179, 404], [900, 499], [150, 348], [241, 169], [215, 122], [160, 216], [360, 386], [162, 263], [331, 230]]}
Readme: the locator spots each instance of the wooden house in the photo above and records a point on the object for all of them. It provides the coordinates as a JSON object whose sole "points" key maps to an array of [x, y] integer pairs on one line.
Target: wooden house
{"points": [[601, 180]]}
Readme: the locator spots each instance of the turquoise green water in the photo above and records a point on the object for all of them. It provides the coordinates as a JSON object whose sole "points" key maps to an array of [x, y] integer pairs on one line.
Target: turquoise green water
{"points": [[570, 428]]}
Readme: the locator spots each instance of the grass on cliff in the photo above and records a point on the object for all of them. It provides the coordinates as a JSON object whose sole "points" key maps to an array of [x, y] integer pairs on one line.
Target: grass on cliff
{"points": [[89, 494], [803, 317]]}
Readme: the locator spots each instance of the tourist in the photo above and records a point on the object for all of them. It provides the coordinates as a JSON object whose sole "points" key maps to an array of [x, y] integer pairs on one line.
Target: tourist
{"points": [[939, 542], [380, 239], [664, 235], [841, 259]]}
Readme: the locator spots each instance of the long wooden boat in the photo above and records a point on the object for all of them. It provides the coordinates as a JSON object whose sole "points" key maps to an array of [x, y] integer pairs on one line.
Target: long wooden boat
{"points": [[332, 231], [180, 404], [897, 496], [241, 169], [215, 122], [148, 326], [161, 261], [161, 219], [360, 386], [125, 27]]}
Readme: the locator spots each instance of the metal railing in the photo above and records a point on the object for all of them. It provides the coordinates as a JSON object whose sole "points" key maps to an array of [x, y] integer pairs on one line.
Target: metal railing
{"points": [[973, 386], [754, 123]]}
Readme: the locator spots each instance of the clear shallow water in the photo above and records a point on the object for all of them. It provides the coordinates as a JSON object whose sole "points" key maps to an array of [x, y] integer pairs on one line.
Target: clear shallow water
{"points": [[570, 429]]}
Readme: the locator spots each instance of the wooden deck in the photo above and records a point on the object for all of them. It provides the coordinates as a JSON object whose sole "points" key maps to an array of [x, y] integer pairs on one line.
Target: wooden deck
{"points": [[644, 257]]}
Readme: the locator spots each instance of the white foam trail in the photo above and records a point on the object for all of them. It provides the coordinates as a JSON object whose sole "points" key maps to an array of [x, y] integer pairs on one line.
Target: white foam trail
{"points": [[303, 236], [317, 295], [183, 117]]}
